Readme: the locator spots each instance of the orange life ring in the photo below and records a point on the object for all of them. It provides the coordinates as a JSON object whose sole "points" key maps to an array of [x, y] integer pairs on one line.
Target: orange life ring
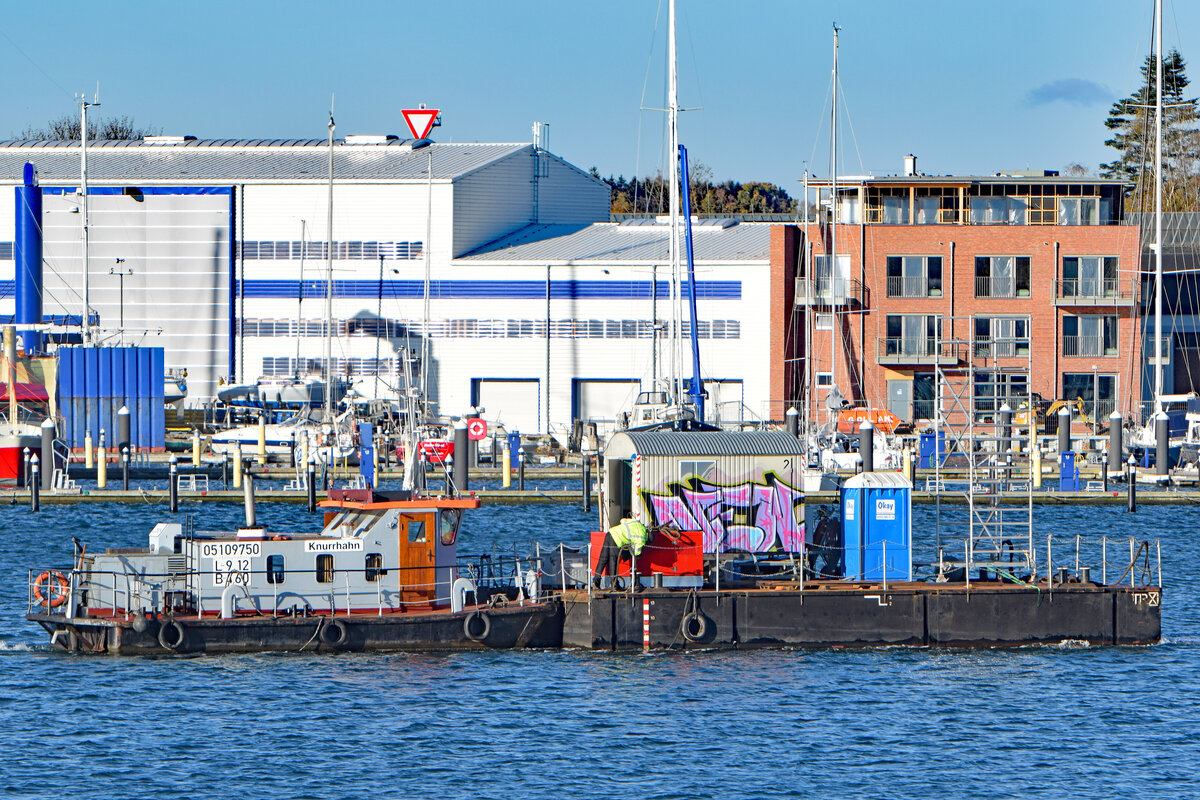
{"points": [[56, 589]]}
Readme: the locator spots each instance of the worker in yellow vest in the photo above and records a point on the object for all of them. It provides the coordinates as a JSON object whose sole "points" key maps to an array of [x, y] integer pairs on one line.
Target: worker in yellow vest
{"points": [[627, 536]]}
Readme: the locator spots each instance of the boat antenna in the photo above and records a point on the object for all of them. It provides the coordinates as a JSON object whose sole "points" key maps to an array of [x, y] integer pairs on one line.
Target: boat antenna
{"points": [[329, 281], [84, 105]]}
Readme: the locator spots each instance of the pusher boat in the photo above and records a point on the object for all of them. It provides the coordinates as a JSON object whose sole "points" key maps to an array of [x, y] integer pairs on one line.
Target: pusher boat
{"points": [[383, 574]]}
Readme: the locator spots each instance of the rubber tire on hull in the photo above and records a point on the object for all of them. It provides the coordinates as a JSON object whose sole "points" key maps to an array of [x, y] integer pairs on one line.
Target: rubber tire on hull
{"points": [[335, 634], [694, 626], [468, 623], [172, 635]]}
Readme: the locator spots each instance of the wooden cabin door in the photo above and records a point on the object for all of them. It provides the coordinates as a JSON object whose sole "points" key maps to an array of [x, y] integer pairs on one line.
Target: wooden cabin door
{"points": [[417, 534]]}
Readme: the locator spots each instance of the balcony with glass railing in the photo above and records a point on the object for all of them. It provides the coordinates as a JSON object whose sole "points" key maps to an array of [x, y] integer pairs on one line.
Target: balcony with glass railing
{"points": [[1008, 347], [917, 350], [1094, 292], [822, 291]]}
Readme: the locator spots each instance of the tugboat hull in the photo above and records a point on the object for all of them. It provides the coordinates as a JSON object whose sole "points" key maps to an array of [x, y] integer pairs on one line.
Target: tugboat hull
{"points": [[533, 625]]}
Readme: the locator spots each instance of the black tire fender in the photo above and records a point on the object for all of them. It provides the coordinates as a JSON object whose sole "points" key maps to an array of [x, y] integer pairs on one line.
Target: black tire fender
{"points": [[477, 633], [172, 635], [694, 626], [335, 633]]}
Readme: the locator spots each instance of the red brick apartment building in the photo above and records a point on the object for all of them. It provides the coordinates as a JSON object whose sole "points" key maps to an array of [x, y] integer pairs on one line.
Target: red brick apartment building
{"points": [[1027, 282]]}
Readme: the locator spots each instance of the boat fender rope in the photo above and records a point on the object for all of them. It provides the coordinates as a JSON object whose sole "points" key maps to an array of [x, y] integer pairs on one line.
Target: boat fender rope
{"points": [[336, 633], [469, 627], [55, 585], [172, 635]]}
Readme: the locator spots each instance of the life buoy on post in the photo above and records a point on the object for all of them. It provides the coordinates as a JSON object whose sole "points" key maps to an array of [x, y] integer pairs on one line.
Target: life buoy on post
{"points": [[172, 635], [335, 634], [50, 589], [477, 632]]}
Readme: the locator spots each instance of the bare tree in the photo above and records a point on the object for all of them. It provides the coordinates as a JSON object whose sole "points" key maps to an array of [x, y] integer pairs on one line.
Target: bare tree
{"points": [[66, 128]]}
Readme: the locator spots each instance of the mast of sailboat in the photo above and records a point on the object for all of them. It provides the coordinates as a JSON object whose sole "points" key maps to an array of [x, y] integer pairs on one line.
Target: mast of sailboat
{"points": [[83, 188], [831, 259], [673, 207], [1158, 237], [300, 299], [329, 286]]}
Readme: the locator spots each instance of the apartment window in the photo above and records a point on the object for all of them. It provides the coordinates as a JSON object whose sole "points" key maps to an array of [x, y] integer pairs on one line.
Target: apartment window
{"points": [[824, 379], [895, 210], [325, 568], [275, 568], [1089, 276], [824, 322], [924, 396], [1001, 337], [1082, 210], [994, 388], [998, 210], [914, 276], [373, 566], [1098, 391], [1002, 276], [1090, 335], [912, 334], [832, 283], [927, 210]]}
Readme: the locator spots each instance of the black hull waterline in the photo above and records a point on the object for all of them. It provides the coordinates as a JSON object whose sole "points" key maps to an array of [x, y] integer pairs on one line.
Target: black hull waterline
{"points": [[913, 615], [534, 625]]}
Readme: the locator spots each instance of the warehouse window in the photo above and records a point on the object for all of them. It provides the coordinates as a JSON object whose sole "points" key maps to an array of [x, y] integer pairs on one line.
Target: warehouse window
{"points": [[346, 251]]}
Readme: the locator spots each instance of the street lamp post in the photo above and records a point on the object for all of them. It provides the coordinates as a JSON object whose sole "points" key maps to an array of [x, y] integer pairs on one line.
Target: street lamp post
{"points": [[121, 273]]}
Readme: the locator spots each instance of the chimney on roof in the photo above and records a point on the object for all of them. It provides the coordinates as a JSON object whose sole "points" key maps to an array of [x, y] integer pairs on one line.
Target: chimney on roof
{"points": [[910, 165]]}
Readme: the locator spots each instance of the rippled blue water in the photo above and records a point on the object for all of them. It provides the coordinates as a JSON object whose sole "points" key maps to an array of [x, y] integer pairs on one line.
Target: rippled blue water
{"points": [[1031, 722]]}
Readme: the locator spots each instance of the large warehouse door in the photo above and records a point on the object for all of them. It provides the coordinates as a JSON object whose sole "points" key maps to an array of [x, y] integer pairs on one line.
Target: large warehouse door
{"points": [[602, 400], [514, 403]]}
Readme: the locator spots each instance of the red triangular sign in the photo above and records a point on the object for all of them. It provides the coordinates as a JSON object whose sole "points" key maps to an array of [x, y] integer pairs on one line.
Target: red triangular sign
{"points": [[420, 120]]}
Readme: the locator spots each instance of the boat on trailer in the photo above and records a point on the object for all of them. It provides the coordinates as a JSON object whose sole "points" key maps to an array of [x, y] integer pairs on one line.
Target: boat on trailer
{"points": [[382, 574]]}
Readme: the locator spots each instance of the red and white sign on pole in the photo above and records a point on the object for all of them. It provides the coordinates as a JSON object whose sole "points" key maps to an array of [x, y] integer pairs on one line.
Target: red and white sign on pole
{"points": [[420, 121], [476, 429]]}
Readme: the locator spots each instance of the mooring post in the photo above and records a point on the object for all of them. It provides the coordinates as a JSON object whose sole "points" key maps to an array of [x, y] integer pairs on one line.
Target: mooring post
{"points": [[1064, 430], [123, 437], [101, 468], [88, 455], [310, 485], [521, 474], [248, 493], [25, 471], [173, 487], [47, 459], [1162, 444], [505, 467], [587, 482], [262, 439], [225, 471], [1115, 456], [1131, 481], [792, 417], [866, 445], [1104, 475], [462, 455], [237, 466], [35, 501], [125, 468]]}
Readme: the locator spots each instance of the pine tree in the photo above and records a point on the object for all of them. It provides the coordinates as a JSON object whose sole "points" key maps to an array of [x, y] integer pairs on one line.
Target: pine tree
{"points": [[1132, 122]]}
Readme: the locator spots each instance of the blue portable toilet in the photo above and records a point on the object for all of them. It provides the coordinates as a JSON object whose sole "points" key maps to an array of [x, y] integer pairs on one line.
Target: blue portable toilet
{"points": [[927, 451], [877, 508]]}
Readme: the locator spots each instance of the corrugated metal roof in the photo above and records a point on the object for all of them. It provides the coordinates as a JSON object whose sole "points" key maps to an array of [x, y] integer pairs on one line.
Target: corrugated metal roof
{"points": [[703, 443], [608, 242], [244, 160]]}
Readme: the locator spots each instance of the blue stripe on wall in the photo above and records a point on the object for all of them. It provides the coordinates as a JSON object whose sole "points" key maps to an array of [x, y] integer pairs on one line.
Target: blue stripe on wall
{"points": [[513, 290], [141, 189]]}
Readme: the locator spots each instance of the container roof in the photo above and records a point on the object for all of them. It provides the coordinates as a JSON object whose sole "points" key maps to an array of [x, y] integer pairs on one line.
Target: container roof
{"points": [[703, 443], [245, 160], [604, 243]]}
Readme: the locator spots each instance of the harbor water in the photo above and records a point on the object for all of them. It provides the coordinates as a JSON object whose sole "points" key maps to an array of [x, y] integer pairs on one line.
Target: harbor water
{"points": [[1052, 721]]}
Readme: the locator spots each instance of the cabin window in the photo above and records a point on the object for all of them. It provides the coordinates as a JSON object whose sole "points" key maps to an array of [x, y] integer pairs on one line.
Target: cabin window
{"points": [[448, 521], [374, 566], [416, 531], [694, 469], [275, 569], [325, 568]]}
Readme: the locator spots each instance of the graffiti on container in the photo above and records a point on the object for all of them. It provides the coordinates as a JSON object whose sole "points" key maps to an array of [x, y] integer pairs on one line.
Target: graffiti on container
{"points": [[751, 516]]}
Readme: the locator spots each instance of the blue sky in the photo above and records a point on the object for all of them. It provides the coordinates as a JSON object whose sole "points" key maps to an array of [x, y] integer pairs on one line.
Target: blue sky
{"points": [[969, 87]]}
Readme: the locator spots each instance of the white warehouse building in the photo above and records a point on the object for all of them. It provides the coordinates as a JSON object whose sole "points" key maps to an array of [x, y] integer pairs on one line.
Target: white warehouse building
{"points": [[539, 309]]}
